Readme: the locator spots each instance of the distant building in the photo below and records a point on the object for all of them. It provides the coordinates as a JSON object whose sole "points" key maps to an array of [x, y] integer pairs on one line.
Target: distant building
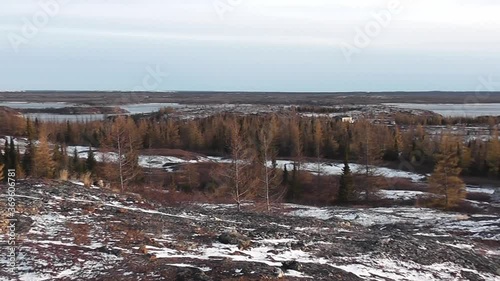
{"points": [[347, 119]]}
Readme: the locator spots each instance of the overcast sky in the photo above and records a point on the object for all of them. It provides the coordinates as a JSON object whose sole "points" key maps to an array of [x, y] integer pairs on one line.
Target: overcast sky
{"points": [[249, 45]]}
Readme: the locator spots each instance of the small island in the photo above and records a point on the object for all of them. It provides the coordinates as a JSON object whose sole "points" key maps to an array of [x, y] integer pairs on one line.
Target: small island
{"points": [[77, 110]]}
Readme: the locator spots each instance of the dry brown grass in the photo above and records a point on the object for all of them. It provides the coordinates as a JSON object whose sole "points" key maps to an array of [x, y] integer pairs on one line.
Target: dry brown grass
{"points": [[169, 197], [87, 179], [64, 175], [133, 236], [80, 233]]}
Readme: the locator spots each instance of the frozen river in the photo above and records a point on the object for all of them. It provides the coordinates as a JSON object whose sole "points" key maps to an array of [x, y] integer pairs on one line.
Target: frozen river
{"points": [[455, 110], [132, 108]]}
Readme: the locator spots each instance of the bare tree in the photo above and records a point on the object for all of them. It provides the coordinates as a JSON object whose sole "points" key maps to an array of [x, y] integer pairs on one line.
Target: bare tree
{"points": [[126, 143], [369, 156], [271, 177], [318, 144], [189, 178], [238, 176]]}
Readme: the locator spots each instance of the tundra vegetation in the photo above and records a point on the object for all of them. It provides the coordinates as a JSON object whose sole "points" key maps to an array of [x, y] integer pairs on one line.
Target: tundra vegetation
{"points": [[254, 144]]}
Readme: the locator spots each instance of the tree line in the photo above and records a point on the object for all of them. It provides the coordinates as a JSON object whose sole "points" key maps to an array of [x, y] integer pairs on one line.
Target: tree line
{"points": [[250, 141]]}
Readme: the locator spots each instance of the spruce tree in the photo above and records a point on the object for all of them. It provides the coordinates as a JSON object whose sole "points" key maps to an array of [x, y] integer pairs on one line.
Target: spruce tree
{"points": [[91, 162], [75, 163], [285, 175], [57, 157], [27, 162], [29, 152], [295, 188], [346, 186]]}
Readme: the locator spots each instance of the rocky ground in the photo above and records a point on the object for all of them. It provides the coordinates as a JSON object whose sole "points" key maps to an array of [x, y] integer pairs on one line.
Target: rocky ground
{"points": [[68, 232]]}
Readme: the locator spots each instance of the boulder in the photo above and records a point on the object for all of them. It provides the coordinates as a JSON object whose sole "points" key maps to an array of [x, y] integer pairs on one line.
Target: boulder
{"points": [[291, 265], [106, 250], [495, 197], [235, 238], [279, 273], [23, 223], [191, 274]]}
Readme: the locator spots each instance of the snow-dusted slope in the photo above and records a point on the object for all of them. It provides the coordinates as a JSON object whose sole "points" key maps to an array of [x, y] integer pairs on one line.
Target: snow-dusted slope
{"points": [[67, 232]]}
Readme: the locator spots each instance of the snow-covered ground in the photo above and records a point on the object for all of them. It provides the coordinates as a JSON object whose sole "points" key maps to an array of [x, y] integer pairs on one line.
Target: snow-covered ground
{"points": [[166, 162], [401, 194], [485, 190], [437, 222], [146, 161], [344, 240], [336, 169]]}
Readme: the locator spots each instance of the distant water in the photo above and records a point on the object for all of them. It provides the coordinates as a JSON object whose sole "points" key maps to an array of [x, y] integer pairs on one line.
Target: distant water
{"points": [[35, 105], [65, 117], [132, 108], [147, 107], [455, 110]]}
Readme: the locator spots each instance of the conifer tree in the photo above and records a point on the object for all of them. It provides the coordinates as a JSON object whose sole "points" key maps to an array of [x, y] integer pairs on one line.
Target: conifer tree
{"points": [[43, 165], [238, 178], [346, 186], [285, 174], [57, 157], [191, 177], [30, 130], [124, 139], [369, 156], [270, 175], [76, 165], [27, 161], [295, 186], [318, 145], [68, 134], [445, 181], [29, 152], [91, 162]]}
